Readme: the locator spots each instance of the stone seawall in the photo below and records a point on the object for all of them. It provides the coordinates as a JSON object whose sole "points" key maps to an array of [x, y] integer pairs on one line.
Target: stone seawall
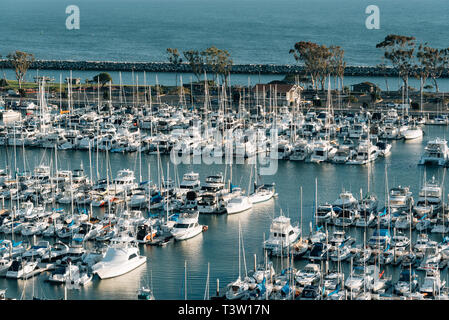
{"points": [[368, 71]]}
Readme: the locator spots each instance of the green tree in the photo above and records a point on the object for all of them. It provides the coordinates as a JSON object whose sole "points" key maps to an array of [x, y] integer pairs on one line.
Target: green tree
{"points": [[219, 61], [174, 58], [383, 71], [315, 59], [196, 62], [432, 62], [337, 63], [103, 78], [399, 50], [21, 62]]}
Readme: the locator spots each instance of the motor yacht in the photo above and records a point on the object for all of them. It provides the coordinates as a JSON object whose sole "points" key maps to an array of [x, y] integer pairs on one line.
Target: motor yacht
{"points": [[366, 152], [282, 236], [430, 200], [413, 132], [121, 257], [322, 151], [436, 152], [187, 226], [400, 199], [21, 268], [190, 182]]}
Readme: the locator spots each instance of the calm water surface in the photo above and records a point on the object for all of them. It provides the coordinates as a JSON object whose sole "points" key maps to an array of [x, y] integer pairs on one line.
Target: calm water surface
{"points": [[219, 245]]}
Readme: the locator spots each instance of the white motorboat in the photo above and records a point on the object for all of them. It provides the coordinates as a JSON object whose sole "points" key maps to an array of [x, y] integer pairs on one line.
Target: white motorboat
{"points": [[325, 213], [407, 282], [38, 250], [322, 151], [282, 236], [341, 253], [343, 155], [366, 152], [413, 132], [346, 209], [211, 203], [57, 251], [432, 257], [309, 275], [380, 239], [283, 151], [124, 182], [435, 152], [301, 151], [237, 290], [4, 265], [187, 226], [145, 294], [62, 273], [190, 182], [121, 257], [432, 283], [357, 279], [430, 199], [346, 201], [21, 269], [400, 198], [213, 184], [384, 148], [367, 211]]}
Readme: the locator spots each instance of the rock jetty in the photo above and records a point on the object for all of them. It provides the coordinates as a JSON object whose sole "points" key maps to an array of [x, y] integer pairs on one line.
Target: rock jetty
{"points": [[368, 71]]}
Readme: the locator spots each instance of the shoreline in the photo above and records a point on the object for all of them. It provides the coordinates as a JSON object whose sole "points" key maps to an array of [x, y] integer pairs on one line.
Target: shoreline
{"points": [[166, 67]]}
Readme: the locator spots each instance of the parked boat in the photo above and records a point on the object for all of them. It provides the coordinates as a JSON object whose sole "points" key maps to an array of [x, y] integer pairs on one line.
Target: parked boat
{"points": [[121, 257], [187, 226]]}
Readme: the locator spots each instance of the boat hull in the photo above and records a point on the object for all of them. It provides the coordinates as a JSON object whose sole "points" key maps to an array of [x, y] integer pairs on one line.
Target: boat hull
{"points": [[116, 271]]}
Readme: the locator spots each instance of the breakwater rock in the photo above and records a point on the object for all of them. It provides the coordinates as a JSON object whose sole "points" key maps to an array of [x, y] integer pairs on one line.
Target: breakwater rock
{"points": [[368, 71]]}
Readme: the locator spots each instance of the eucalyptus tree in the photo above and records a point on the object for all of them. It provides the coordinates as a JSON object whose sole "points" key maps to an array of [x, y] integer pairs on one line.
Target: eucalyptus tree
{"points": [[433, 61], [219, 61], [174, 57], [400, 51], [316, 60], [383, 71], [21, 62], [196, 62], [422, 72], [337, 63], [103, 78]]}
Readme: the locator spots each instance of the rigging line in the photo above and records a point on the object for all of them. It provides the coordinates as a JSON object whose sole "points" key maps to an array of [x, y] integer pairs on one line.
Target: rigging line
{"points": [[43, 155]]}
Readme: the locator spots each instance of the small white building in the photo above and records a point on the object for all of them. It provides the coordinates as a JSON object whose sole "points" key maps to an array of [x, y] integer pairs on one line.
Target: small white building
{"points": [[286, 94]]}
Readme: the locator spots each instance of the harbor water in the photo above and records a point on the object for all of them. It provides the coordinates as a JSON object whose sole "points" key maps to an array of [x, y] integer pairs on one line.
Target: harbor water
{"points": [[218, 246]]}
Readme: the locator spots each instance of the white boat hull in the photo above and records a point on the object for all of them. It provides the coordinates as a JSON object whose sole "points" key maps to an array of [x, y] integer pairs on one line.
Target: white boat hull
{"points": [[105, 271]]}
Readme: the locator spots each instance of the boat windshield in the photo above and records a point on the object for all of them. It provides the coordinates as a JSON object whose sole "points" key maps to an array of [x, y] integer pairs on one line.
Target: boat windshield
{"points": [[181, 225]]}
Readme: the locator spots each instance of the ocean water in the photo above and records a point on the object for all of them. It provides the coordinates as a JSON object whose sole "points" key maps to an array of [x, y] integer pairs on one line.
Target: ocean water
{"points": [[219, 244], [253, 31]]}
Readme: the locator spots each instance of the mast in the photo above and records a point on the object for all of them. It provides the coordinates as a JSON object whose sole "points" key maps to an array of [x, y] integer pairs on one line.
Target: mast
{"points": [[185, 279], [300, 219], [316, 202]]}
